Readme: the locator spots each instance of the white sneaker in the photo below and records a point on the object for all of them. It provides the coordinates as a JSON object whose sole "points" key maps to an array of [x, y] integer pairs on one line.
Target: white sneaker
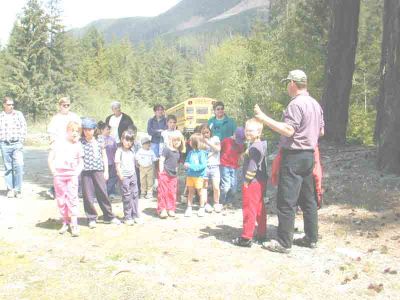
{"points": [[201, 212], [138, 220], [208, 208], [75, 231], [188, 211], [92, 224], [63, 229], [218, 207], [115, 221], [129, 222], [10, 194]]}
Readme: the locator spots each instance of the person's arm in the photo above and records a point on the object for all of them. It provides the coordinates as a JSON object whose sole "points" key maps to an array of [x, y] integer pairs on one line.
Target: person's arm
{"points": [[279, 127], [24, 128], [161, 163], [50, 162], [216, 146], [105, 163], [118, 164], [80, 161]]}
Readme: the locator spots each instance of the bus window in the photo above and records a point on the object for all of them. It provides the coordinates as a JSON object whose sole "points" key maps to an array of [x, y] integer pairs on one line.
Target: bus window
{"points": [[202, 110], [189, 110]]}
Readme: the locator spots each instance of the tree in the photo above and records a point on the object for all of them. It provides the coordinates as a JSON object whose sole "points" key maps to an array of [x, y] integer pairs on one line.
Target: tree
{"points": [[340, 67], [27, 59], [388, 121]]}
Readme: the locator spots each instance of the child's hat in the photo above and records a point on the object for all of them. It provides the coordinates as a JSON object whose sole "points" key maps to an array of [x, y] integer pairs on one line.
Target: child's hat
{"points": [[145, 140], [239, 135], [89, 123]]}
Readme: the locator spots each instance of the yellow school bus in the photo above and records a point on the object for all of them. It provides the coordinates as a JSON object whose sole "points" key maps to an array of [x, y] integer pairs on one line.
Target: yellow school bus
{"points": [[192, 112]]}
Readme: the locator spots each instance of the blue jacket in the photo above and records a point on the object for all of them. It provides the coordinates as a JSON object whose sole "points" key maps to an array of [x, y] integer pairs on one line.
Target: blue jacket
{"points": [[197, 160], [153, 127]]}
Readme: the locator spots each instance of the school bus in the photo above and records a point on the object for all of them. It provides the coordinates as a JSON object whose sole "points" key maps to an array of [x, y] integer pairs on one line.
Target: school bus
{"points": [[192, 112]]}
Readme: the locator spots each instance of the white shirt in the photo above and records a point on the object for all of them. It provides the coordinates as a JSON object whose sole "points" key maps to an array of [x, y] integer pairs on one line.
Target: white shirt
{"points": [[57, 127], [114, 124]]}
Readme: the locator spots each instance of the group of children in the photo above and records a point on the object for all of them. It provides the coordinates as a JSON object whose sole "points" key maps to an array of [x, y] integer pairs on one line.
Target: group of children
{"points": [[90, 153]]}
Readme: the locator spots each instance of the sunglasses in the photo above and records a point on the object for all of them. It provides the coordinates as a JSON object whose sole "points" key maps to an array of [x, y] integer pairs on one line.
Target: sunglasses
{"points": [[65, 105]]}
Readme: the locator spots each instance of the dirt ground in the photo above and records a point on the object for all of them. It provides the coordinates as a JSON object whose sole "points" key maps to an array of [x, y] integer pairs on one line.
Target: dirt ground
{"points": [[358, 256]]}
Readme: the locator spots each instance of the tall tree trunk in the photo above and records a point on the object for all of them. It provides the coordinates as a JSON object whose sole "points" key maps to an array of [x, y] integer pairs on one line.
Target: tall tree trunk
{"points": [[339, 70], [387, 128]]}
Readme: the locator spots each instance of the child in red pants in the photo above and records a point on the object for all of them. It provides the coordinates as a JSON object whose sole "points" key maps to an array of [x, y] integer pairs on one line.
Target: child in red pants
{"points": [[167, 178], [255, 177]]}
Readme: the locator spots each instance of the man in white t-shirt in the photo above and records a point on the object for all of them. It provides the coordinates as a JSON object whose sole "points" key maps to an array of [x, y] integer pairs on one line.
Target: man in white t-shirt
{"points": [[118, 121]]}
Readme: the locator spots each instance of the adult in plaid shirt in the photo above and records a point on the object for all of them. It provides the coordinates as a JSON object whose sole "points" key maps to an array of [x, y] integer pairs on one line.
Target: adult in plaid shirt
{"points": [[12, 136]]}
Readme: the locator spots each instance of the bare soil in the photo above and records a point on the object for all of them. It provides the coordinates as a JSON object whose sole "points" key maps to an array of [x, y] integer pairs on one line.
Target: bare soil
{"points": [[358, 255]]}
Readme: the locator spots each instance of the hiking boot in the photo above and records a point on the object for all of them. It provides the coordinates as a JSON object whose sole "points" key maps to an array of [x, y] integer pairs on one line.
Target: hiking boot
{"points": [[242, 242], [275, 246], [17, 195], [305, 242], [171, 213], [63, 229], [149, 196], [163, 214], [208, 208]]}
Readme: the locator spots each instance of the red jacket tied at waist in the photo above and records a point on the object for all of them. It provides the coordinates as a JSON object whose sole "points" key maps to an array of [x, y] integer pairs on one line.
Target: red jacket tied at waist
{"points": [[317, 173]]}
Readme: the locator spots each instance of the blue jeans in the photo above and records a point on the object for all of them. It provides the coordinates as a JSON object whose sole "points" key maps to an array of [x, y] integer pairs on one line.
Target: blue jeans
{"points": [[156, 149], [228, 184], [13, 160]]}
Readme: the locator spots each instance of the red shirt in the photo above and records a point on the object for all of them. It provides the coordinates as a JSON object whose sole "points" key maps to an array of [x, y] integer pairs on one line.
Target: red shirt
{"points": [[230, 153]]}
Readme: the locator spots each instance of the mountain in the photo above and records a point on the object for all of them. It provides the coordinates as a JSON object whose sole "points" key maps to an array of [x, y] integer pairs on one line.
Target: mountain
{"points": [[212, 18]]}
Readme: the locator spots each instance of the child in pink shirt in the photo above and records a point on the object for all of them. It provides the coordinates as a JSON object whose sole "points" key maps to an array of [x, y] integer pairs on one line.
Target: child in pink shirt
{"points": [[66, 163]]}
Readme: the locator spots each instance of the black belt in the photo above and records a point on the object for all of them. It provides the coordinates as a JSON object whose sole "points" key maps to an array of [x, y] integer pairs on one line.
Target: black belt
{"points": [[10, 142]]}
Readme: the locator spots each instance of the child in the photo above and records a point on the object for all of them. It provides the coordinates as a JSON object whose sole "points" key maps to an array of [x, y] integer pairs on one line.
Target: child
{"points": [[125, 165], [231, 149], [94, 176], [171, 130], [168, 177], [145, 158], [213, 147], [255, 177], [66, 163], [111, 146], [195, 165]]}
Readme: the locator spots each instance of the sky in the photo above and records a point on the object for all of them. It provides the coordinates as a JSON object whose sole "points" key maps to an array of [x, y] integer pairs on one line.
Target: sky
{"points": [[77, 13]]}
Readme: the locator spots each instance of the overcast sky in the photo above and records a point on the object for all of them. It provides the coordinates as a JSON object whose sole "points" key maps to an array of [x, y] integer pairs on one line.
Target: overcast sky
{"points": [[77, 13]]}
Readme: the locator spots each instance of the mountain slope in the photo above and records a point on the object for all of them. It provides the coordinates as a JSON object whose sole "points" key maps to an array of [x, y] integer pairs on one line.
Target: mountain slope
{"points": [[187, 17]]}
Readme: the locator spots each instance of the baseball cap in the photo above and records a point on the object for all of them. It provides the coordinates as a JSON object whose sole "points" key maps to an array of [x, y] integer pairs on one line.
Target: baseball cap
{"points": [[297, 76], [89, 123], [145, 140], [239, 135]]}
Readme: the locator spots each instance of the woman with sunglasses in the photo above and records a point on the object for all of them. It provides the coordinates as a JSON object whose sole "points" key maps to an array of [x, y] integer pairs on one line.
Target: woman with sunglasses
{"points": [[59, 122]]}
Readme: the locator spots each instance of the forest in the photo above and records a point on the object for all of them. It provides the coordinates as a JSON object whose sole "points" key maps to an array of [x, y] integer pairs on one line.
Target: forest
{"points": [[349, 50]]}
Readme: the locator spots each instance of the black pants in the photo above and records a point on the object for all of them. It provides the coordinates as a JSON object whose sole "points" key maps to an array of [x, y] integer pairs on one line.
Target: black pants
{"points": [[296, 187], [94, 186]]}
